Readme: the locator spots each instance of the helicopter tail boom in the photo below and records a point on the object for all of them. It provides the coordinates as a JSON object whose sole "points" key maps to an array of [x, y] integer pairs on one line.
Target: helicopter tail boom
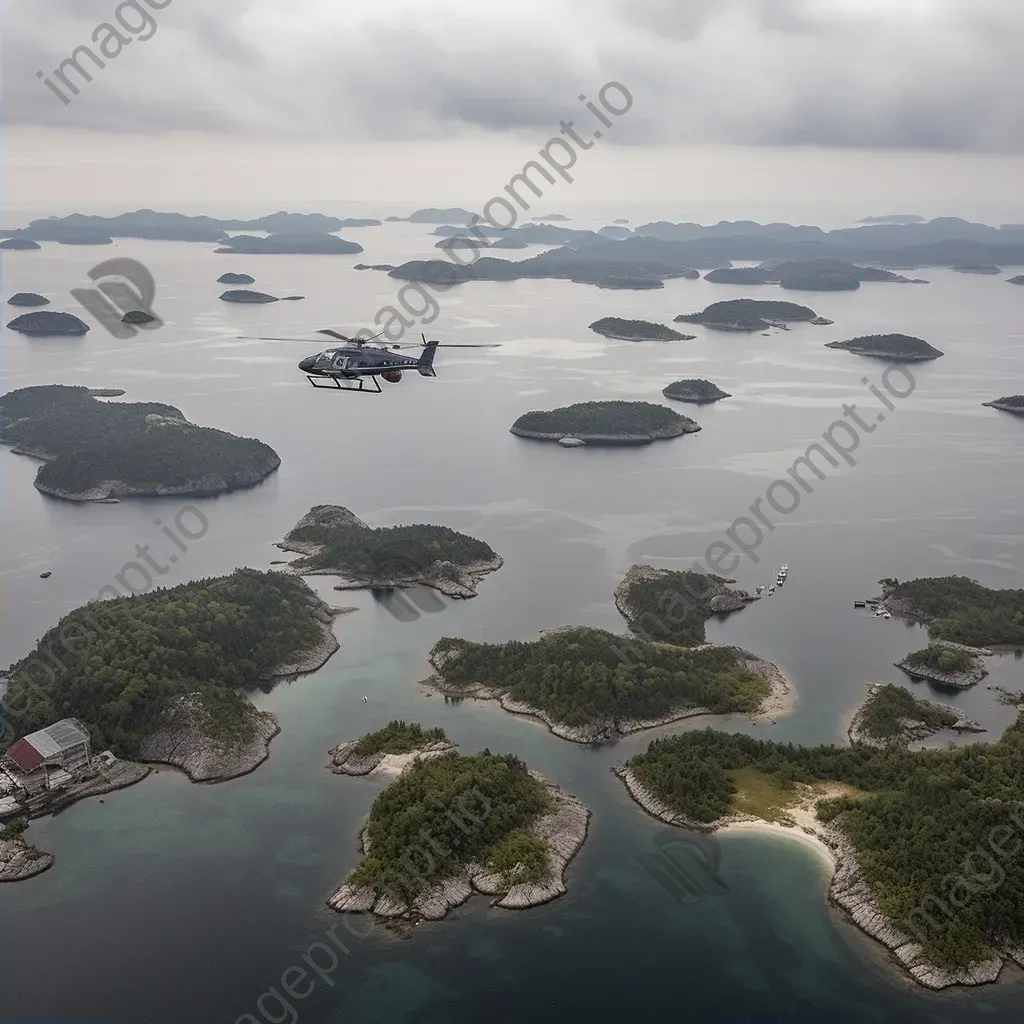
{"points": [[425, 363]]}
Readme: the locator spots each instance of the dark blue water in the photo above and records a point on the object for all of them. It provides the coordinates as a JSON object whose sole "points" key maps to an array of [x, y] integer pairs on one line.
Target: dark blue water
{"points": [[173, 902]]}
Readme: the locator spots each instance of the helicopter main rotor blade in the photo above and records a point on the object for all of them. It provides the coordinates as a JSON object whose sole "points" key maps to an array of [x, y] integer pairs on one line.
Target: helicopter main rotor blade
{"points": [[335, 334]]}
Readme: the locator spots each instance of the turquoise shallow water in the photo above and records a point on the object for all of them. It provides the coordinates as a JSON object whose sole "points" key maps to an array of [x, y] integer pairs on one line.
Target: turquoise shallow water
{"points": [[180, 903]]}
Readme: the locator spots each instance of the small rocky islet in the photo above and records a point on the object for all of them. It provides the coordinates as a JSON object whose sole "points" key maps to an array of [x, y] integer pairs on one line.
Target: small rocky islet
{"points": [[48, 323], [247, 295], [1009, 403], [231, 278], [636, 330], [695, 391], [895, 347], [28, 299], [750, 315], [605, 423]]}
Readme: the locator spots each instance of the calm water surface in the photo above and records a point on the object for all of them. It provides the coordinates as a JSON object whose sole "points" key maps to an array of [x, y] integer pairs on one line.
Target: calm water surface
{"points": [[179, 903]]}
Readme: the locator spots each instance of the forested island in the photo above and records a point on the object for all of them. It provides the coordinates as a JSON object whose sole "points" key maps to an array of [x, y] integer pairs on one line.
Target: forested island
{"points": [[493, 826], [589, 685], [959, 609], [670, 606], [335, 542], [48, 323], [247, 295], [284, 243], [97, 451], [231, 278], [947, 664], [164, 676], [988, 269], [28, 299], [892, 714], [389, 750], [918, 838], [896, 347], [699, 392], [611, 423], [1011, 403], [822, 275], [636, 330], [749, 315]]}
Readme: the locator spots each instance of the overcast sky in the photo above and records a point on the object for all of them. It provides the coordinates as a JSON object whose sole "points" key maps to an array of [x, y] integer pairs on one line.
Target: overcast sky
{"points": [[436, 98]]}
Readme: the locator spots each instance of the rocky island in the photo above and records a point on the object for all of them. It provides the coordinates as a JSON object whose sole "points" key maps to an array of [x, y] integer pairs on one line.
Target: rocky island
{"points": [[19, 243], [290, 244], [636, 330], [671, 606], [247, 295], [48, 324], [900, 348], [162, 678], [699, 392], [519, 856], [28, 299], [590, 686], [900, 844], [335, 542], [988, 269], [749, 315], [1019, 279], [959, 610], [97, 451], [822, 275], [236, 279], [1011, 403], [140, 317], [605, 423], [947, 664], [388, 751], [893, 715]]}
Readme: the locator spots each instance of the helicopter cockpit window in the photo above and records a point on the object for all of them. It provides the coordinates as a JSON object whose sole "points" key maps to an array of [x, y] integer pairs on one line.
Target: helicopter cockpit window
{"points": [[341, 361]]}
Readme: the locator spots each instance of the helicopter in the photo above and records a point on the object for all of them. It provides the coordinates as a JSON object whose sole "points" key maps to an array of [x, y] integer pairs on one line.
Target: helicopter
{"points": [[356, 365]]}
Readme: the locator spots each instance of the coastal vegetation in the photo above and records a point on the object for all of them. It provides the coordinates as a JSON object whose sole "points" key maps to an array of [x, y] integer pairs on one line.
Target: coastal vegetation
{"points": [[899, 347], [398, 737], [913, 819], [892, 714], [636, 330], [748, 315], [696, 391], [473, 808], [95, 449], [941, 657], [611, 421], [124, 666], [581, 677], [670, 606], [960, 609]]}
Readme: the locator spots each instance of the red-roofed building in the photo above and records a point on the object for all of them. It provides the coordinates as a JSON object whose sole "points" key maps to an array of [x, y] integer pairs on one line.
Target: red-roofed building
{"points": [[46, 757]]}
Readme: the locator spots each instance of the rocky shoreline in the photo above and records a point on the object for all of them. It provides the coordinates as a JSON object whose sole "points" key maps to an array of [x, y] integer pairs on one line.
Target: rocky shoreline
{"points": [[664, 434], [564, 828], [345, 760], [778, 703], [848, 888], [962, 680], [19, 860], [910, 731]]}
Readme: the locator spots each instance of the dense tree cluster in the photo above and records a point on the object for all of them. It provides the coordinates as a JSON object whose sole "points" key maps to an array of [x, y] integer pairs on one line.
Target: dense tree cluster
{"points": [[941, 658], [749, 314], [398, 737], [915, 826], [387, 550], [962, 610], [589, 676], [94, 441], [446, 812], [629, 418], [889, 710], [118, 666]]}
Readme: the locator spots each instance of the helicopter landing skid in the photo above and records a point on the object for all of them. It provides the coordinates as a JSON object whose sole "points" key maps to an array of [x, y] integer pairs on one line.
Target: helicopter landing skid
{"points": [[348, 384]]}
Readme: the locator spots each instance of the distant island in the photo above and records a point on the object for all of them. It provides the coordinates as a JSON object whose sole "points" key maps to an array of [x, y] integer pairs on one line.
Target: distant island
{"points": [[48, 323], [893, 715], [1019, 279], [432, 215], [495, 827], [899, 827], [750, 315], [335, 542], [1011, 403], [636, 330], [894, 218], [896, 347], [138, 316], [699, 392], [987, 269], [166, 675], [388, 751], [247, 295], [28, 299], [96, 451], [614, 231], [19, 243], [550, 216], [947, 664], [578, 681], [359, 222], [290, 244], [236, 279], [671, 606], [821, 275], [605, 423], [959, 609]]}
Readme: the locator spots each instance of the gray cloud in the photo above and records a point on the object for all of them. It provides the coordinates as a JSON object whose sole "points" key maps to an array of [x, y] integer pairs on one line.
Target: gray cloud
{"points": [[940, 74]]}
